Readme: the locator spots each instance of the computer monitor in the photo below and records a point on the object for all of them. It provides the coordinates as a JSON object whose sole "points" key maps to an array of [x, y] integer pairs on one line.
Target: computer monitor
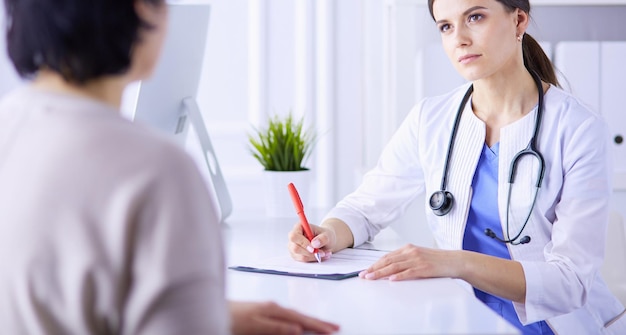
{"points": [[167, 100], [9, 79]]}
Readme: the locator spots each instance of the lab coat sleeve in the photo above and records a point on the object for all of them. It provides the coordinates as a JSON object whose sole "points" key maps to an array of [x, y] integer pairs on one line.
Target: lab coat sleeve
{"points": [[388, 189], [574, 255]]}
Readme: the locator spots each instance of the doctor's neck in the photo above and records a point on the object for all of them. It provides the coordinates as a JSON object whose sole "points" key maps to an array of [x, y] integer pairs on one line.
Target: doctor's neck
{"points": [[514, 94]]}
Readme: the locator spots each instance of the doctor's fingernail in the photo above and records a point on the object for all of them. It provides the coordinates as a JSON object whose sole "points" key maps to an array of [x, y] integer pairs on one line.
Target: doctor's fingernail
{"points": [[369, 276], [316, 244], [309, 248]]}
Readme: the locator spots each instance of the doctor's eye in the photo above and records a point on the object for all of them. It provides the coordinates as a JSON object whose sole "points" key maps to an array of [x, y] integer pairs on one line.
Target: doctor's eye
{"points": [[444, 27], [475, 17]]}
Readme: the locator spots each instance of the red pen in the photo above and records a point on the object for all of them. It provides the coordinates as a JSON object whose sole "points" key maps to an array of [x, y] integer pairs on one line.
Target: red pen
{"points": [[297, 203]]}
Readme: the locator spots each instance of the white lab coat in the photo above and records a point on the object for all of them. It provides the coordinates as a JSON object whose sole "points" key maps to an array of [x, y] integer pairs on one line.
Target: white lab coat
{"points": [[569, 221]]}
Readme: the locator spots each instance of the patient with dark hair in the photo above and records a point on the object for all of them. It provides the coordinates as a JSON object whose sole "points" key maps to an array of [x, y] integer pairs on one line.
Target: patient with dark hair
{"points": [[106, 226]]}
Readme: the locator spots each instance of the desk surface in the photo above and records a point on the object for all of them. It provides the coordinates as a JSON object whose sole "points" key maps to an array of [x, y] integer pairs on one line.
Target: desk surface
{"points": [[431, 306]]}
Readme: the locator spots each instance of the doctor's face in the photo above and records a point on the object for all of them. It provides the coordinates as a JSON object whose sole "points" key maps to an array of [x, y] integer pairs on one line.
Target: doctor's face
{"points": [[480, 36]]}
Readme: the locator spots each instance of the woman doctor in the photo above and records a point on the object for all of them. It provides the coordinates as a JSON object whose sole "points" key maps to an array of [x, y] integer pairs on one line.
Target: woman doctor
{"points": [[516, 175]]}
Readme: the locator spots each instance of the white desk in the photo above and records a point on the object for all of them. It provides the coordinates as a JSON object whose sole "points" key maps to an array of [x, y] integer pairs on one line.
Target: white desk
{"points": [[432, 306]]}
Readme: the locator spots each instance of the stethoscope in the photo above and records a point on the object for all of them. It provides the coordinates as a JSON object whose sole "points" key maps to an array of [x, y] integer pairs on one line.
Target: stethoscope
{"points": [[441, 202]]}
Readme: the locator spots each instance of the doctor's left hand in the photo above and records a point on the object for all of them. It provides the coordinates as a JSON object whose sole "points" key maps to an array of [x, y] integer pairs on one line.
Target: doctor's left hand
{"points": [[413, 262]]}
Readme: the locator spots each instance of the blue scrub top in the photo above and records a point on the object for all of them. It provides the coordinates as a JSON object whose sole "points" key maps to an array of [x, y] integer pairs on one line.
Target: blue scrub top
{"points": [[483, 214]]}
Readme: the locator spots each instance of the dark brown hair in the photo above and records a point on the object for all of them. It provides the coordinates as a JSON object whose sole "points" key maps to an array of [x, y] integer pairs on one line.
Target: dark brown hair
{"points": [[535, 59], [79, 39]]}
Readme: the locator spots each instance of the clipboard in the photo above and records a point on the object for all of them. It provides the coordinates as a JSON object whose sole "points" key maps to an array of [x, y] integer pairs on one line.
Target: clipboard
{"points": [[344, 264], [330, 276]]}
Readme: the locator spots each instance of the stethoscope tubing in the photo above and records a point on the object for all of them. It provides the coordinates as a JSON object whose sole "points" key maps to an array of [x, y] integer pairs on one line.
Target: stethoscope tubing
{"points": [[455, 127]]}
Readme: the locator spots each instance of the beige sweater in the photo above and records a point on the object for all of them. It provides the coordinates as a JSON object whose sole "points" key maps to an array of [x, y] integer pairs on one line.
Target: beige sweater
{"points": [[106, 227]]}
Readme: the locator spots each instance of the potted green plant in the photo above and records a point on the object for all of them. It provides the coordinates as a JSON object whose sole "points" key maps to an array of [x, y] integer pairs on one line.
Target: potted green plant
{"points": [[282, 148]]}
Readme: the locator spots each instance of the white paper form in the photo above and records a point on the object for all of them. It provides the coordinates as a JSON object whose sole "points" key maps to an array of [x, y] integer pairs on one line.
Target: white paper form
{"points": [[345, 262]]}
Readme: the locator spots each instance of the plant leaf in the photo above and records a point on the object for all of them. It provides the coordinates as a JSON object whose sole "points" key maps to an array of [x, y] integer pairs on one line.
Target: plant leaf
{"points": [[284, 145]]}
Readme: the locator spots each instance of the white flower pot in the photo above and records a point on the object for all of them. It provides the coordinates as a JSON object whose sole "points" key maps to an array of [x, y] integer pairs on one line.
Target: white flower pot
{"points": [[278, 202]]}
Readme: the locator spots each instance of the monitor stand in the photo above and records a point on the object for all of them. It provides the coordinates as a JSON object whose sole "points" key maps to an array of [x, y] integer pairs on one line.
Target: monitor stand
{"points": [[191, 110]]}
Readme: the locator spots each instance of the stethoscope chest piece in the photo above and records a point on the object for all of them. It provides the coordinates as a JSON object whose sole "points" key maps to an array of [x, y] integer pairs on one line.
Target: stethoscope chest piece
{"points": [[441, 202]]}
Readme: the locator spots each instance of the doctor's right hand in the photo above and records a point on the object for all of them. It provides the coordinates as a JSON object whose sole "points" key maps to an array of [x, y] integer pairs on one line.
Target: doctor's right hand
{"points": [[302, 250]]}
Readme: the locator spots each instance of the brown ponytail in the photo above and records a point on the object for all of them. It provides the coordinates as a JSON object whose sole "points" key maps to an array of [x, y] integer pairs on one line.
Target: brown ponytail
{"points": [[534, 58], [537, 61]]}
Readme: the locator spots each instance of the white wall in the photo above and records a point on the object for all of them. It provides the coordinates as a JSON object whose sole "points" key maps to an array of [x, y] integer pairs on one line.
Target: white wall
{"points": [[267, 57]]}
